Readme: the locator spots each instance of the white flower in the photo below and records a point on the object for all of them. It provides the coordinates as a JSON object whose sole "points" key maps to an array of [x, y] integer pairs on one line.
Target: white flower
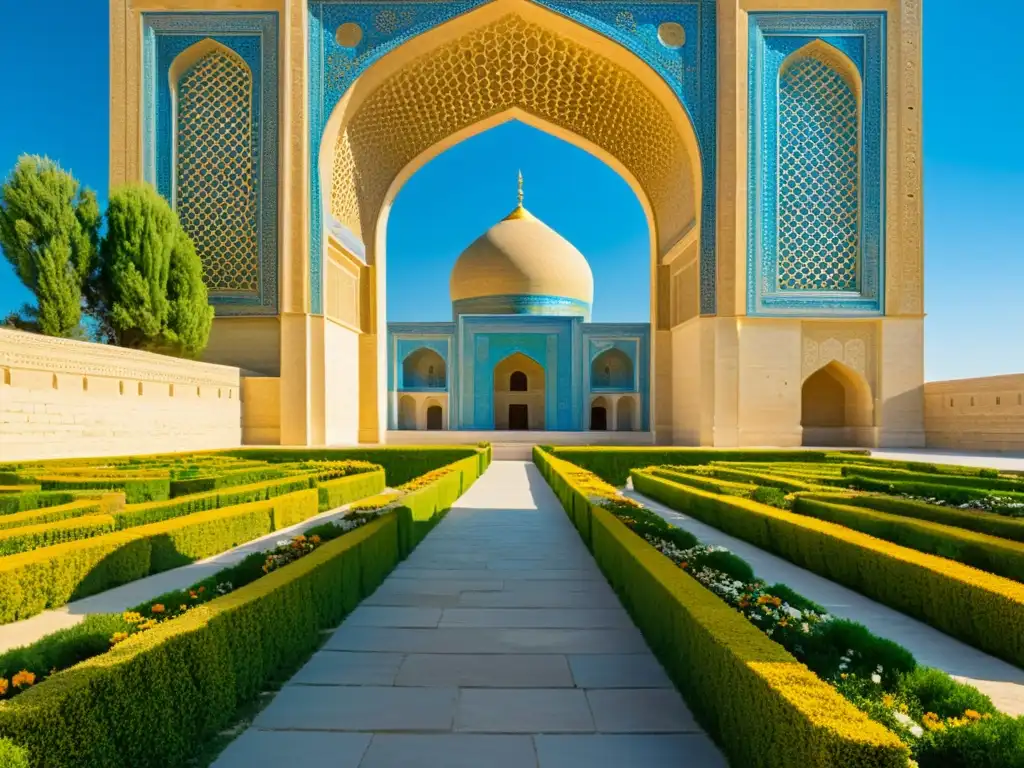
{"points": [[793, 612], [876, 679], [805, 627], [917, 731]]}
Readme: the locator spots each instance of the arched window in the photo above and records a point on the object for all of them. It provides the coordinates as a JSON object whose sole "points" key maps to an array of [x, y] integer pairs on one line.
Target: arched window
{"points": [[215, 183], [424, 369], [518, 382], [819, 171], [612, 369]]}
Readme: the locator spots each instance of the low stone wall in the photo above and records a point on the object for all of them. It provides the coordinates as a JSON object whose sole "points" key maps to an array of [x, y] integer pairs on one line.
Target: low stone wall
{"points": [[61, 398], [985, 414]]}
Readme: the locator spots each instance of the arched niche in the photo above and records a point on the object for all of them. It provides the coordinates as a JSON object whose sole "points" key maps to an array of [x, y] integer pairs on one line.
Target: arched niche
{"points": [[214, 182], [520, 390], [612, 369], [626, 415], [819, 171], [837, 407], [406, 412], [424, 368]]}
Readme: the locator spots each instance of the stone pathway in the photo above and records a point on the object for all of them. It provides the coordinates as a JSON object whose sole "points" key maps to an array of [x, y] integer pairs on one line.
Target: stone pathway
{"points": [[498, 643], [1001, 681]]}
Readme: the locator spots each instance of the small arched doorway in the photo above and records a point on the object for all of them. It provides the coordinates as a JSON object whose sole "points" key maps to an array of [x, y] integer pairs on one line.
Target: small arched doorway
{"points": [[519, 394], [599, 415], [435, 417], [407, 413], [626, 413], [837, 408]]}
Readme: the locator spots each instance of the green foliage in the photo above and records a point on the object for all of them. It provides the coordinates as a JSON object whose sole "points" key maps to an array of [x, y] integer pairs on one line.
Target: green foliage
{"points": [[996, 742], [28, 500], [794, 598], [941, 694], [12, 756], [28, 537], [345, 490], [53, 514], [48, 231], [773, 497], [150, 287]]}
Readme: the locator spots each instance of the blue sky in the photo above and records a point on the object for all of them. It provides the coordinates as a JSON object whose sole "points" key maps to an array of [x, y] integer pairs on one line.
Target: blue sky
{"points": [[974, 179]]}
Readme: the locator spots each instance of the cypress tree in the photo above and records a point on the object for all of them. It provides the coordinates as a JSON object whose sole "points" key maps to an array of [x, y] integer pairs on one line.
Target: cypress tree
{"points": [[49, 230]]}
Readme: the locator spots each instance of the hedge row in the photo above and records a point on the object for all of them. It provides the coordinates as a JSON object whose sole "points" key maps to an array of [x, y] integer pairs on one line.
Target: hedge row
{"points": [[345, 490], [31, 582], [62, 512], [760, 704], [24, 501], [972, 520], [153, 699], [401, 465], [613, 465], [984, 610], [763, 478], [136, 490], [951, 494], [989, 485], [711, 484], [28, 537], [227, 478], [989, 553]]}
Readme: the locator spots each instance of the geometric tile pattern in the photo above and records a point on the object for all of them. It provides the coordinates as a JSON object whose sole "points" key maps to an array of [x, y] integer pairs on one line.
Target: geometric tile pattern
{"points": [[818, 179], [216, 158], [511, 62]]}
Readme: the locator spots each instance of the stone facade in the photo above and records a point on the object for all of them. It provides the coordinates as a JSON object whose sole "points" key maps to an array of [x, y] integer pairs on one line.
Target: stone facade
{"points": [[985, 414]]}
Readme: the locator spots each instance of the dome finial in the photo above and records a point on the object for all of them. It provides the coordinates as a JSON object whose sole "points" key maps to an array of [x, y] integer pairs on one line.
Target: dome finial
{"points": [[520, 189]]}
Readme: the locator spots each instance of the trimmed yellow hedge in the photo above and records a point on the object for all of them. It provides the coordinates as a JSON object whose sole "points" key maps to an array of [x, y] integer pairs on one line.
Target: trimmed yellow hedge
{"points": [[714, 485], [762, 706], [345, 490], [31, 582], [980, 608], [153, 698], [989, 553], [24, 501], [53, 514], [973, 520], [28, 537]]}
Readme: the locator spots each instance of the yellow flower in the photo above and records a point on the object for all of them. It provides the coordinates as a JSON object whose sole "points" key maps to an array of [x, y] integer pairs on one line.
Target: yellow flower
{"points": [[182, 607], [119, 637], [971, 714], [3, 685], [132, 617], [844, 675], [23, 679], [157, 608], [783, 622], [888, 700], [932, 722]]}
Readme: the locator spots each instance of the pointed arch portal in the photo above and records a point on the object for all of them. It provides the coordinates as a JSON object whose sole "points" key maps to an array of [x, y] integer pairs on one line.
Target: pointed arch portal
{"points": [[506, 60]]}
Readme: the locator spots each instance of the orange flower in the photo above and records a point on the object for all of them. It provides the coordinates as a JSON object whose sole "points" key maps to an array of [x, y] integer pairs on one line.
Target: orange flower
{"points": [[971, 714], [315, 539], [201, 590], [3, 685], [23, 679], [193, 595], [683, 565], [157, 608]]}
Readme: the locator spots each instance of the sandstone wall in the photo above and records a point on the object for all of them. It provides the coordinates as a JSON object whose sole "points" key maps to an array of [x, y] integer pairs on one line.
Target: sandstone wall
{"points": [[61, 398], [984, 414]]}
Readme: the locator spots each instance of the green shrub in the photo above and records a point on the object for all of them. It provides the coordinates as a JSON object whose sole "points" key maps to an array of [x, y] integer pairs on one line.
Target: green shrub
{"points": [[345, 490], [795, 599], [29, 537], [136, 490], [991, 474], [941, 694], [972, 520], [985, 483], [981, 609], [12, 756], [613, 465], [64, 648], [11, 503], [992, 743], [773, 497], [704, 483], [132, 707], [989, 553], [762, 706], [53, 514], [224, 479]]}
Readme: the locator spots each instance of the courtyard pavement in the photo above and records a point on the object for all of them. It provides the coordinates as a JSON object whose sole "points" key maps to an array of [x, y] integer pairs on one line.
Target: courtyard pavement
{"points": [[497, 643]]}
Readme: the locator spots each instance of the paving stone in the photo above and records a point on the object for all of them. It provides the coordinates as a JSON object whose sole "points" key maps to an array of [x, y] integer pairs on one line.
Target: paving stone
{"points": [[457, 750], [626, 751], [537, 618], [359, 708], [485, 671], [537, 599], [486, 640], [637, 670], [640, 710], [272, 749], [523, 711], [341, 668], [382, 616], [438, 587], [581, 574]]}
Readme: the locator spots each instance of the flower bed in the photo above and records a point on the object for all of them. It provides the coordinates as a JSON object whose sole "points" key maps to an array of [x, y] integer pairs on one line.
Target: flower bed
{"points": [[944, 723], [982, 609]]}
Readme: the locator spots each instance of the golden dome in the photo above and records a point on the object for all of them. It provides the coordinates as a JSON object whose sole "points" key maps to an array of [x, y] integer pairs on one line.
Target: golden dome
{"points": [[521, 256]]}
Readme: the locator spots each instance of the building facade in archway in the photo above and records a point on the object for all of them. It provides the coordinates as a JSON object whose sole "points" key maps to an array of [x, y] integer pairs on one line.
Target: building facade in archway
{"points": [[521, 349], [775, 146]]}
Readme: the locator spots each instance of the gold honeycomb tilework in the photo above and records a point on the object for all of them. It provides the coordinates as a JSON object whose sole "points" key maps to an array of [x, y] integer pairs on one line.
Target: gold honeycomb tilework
{"points": [[216, 189], [819, 197], [511, 63]]}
